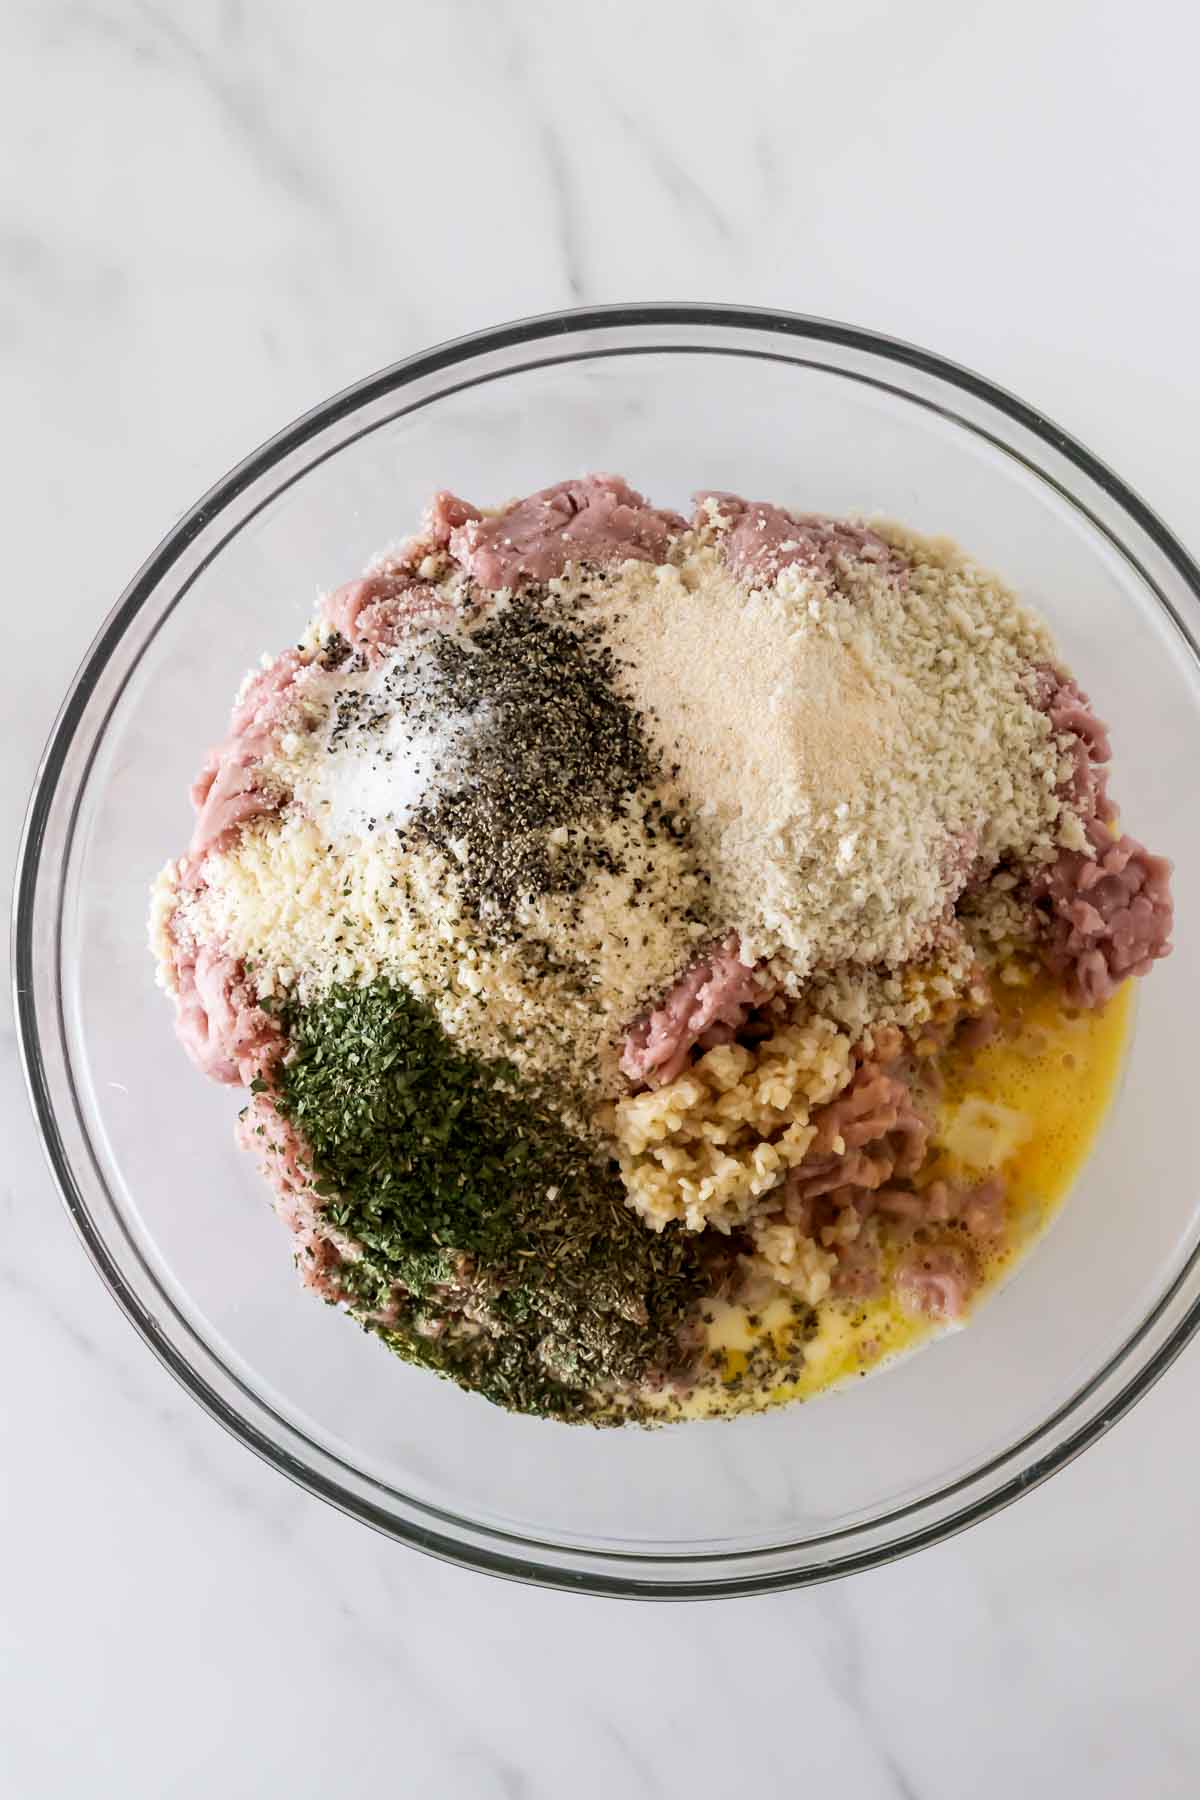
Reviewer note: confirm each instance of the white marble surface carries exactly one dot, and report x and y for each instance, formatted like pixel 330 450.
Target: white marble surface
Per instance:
pixel 215 215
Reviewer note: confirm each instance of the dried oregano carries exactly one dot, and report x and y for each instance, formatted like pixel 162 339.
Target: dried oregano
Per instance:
pixel 496 1246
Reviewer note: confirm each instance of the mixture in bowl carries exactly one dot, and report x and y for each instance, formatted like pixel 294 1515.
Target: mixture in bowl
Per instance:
pixel 674 965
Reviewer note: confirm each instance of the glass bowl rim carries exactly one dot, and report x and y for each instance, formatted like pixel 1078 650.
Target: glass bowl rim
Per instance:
pixel 601 1570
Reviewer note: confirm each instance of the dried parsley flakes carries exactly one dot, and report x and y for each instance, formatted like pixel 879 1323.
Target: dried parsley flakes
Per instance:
pixel 496 1247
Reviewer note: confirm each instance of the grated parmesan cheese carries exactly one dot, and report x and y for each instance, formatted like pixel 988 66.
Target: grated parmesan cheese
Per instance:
pixel 555 998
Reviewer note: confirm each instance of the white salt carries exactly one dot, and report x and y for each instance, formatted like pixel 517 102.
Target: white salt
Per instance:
pixel 376 759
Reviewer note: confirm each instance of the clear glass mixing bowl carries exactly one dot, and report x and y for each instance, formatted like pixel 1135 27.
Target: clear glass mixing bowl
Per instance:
pixel 675 397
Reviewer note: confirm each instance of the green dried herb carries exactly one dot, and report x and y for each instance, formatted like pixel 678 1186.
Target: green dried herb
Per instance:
pixel 496 1247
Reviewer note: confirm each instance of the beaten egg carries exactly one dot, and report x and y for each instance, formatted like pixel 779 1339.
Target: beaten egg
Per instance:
pixel 1027 1107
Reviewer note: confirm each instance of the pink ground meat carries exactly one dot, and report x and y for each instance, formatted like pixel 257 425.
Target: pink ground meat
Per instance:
pixel 763 540
pixel 445 515
pixel 1106 917
pixel 1070 712
pixel 1109 915
pixel 376 614
pixel 709 1004
pixel 228 792
pixel 979 1209
pixel 219 1021
pixel 598 519
pixel 871 1140
pixel 282 1156
pixel 937 1283
pixel 870 1134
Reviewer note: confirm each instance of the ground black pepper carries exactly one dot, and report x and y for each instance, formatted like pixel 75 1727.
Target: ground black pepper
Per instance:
pixel 541 753
pixel 552 749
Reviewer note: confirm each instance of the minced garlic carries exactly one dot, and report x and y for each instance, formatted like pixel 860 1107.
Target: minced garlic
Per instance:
pixel 703 1149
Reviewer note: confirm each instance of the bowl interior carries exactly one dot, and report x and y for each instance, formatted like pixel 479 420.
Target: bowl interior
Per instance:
pixel 797 422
